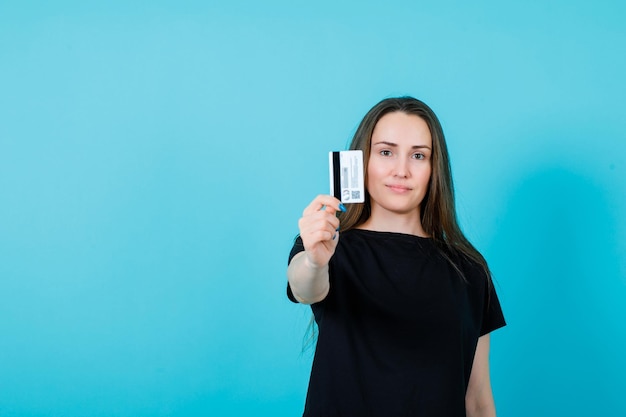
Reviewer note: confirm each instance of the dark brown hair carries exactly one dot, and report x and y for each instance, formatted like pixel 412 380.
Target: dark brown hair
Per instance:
pixel 438 212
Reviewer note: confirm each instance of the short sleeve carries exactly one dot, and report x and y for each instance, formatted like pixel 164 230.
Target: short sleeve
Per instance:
pixel 493 318
pixel 298 247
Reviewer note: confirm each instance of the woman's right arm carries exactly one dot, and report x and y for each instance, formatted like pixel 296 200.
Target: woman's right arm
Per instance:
pixel 308 271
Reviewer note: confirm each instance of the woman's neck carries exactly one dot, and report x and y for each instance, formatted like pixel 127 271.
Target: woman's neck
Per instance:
pixel 408 223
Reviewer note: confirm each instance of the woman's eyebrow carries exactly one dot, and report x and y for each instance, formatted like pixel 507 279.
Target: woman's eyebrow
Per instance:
pixel 384 142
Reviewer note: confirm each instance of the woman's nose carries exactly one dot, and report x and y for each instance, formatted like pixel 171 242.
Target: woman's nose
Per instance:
pixel 401 168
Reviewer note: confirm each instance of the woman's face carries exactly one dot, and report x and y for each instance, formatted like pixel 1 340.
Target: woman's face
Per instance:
pixel 399 168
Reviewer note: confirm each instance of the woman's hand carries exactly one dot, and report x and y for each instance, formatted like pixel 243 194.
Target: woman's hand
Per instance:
pixel 319 230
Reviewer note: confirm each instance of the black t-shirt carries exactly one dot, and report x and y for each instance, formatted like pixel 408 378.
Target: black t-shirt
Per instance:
pixel 398 329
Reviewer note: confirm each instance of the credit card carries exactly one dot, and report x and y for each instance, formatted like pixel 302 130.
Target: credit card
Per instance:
pixel 346 176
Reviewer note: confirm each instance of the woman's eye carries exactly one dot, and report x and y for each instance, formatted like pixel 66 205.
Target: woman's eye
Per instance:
pixel 385 153
pixel 419 156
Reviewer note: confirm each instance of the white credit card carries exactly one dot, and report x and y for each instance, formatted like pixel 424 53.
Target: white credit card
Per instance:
pixel 346 176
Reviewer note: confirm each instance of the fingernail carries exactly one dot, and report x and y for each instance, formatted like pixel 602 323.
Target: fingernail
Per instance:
pixel 342 207
pixel 337 229
pixel 334 236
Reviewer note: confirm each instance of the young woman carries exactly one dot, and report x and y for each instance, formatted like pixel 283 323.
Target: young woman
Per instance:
pixel 403 302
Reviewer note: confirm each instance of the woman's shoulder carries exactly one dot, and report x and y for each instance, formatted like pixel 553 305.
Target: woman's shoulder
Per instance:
pixel 474 270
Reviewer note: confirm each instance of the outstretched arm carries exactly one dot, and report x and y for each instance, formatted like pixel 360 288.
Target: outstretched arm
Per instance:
pixel 308 271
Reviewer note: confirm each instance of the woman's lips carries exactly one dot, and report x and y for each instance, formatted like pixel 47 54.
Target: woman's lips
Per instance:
pixel 398 188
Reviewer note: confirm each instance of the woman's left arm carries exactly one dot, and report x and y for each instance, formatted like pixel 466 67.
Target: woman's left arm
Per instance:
pixel 479 398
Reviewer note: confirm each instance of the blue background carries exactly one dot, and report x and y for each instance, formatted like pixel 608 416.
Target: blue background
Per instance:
pixel 155 158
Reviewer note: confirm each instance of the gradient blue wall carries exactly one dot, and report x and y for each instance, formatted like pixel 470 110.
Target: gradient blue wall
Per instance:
pixel 155 158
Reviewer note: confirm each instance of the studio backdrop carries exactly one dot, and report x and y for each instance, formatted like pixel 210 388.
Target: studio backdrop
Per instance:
pixel 155 158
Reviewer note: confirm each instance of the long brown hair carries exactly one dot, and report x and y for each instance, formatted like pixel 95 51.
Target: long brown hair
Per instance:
pixel 438 213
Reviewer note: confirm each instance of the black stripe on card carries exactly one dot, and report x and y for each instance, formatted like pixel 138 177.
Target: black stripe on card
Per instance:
pixel 336 176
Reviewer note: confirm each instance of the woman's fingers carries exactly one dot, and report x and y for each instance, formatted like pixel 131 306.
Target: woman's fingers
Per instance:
pixel 324 202
pixel 319 228
pixel 320 244
pixel 318 221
